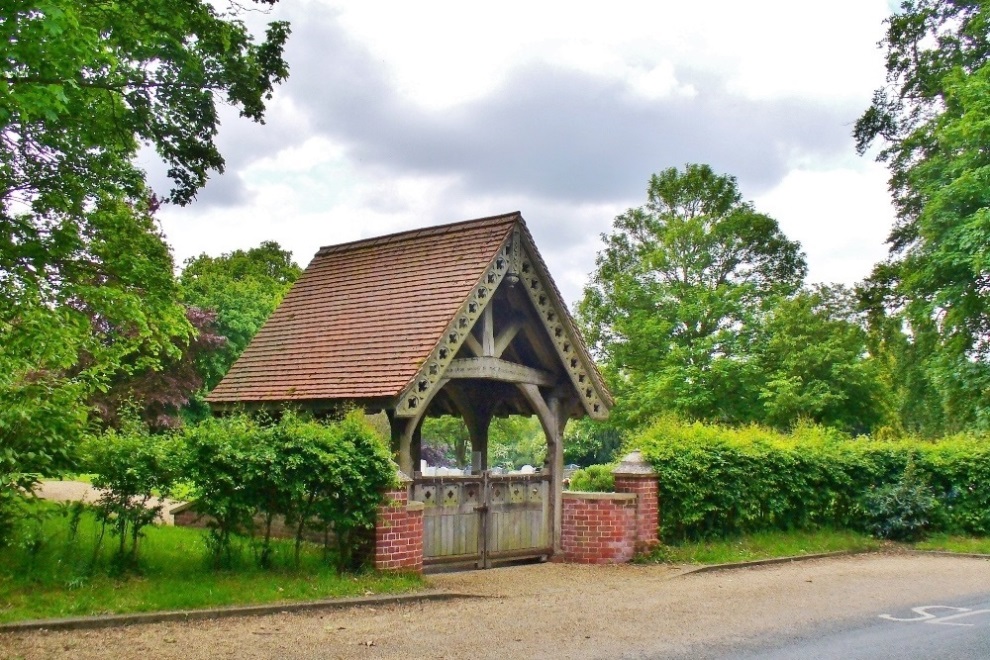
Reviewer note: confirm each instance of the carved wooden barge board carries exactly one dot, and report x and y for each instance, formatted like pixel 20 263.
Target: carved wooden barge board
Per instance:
pixel 513 257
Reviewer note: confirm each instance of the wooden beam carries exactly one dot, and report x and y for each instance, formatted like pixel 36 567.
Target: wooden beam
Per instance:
pixel 488 332
pixel 539 406
pixel 505 338
pixel 477 416
pixel 492 368
pixel 472 344
pixel 553 419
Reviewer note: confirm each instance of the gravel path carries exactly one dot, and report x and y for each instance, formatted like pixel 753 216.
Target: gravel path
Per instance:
pixel 555 610
pixel 73 491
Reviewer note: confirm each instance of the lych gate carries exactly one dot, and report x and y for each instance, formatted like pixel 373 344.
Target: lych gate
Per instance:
pixel 460 319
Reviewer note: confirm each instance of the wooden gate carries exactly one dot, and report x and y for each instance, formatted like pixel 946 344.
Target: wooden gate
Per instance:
pixel 484 518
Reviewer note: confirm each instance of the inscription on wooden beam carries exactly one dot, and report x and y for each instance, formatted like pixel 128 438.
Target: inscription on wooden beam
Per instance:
pixel 490 368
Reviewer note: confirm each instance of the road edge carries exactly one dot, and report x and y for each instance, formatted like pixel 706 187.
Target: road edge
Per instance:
pixel 139 618
pixel 708 568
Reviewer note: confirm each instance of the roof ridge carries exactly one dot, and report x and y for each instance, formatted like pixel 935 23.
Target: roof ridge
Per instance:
pixel 411 234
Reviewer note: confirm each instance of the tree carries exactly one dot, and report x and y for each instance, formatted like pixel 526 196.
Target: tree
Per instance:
pixel 677 293
pixel 86 279
pixel 242 288
pixel 589 442
pixel 159 393
pixel 932 121
pixel 813 353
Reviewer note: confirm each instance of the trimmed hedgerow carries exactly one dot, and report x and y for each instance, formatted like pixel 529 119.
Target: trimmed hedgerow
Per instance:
pixel 717 481
pixel 247 471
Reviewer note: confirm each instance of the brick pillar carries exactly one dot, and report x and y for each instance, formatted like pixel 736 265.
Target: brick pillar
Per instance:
pixel 598 528
pixel 399 531
pixel 634 475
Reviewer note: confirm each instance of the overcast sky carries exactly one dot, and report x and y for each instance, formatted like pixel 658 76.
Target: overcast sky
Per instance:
pixel 399 115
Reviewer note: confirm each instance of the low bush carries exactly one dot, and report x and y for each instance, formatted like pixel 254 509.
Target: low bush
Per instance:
pixel 902 511
pixel 594 479
pixel 329 475
pixel 133 469
pixel 718 482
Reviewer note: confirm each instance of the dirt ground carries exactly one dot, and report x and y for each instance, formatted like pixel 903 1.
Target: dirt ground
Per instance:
pixel 554 610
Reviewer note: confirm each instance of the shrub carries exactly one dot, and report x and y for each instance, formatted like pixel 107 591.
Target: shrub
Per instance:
pixel 902 511
pixel 330 475
pixel 717 481
pixel 216 455
pixel 133 469
pixel 594 479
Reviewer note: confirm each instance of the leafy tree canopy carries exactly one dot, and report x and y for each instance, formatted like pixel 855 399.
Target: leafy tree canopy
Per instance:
pixel 932 122
pixel 242 288
pixel 86 279
pixel 812 352
pixel 677 291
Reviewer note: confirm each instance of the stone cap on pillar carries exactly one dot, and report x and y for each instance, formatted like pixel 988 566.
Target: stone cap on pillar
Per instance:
pixel 633 465
pixel 402 477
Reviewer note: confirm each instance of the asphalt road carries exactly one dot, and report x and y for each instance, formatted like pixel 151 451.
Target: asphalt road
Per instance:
pixel 864 606
pixel 953 629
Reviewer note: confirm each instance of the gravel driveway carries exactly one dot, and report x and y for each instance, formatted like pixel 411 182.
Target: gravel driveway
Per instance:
pixel 555 610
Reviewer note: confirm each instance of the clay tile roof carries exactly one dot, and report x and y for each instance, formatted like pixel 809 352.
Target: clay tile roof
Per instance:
pixel 363 316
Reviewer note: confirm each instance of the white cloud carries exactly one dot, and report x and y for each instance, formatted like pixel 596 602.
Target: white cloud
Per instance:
pixel 840 216
pixel 399 115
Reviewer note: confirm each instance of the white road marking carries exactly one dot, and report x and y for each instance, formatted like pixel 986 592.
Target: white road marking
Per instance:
pixel 924 614
pixel 950 618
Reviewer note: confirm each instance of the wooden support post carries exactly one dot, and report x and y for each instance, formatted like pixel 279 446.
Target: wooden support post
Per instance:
pixel 553 418
pixel 405 445
pixel 488 332
pixel 477 416
pixel 416 448
pixel 555 453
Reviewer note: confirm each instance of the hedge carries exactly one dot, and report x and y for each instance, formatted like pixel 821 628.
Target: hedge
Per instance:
pixel 717 481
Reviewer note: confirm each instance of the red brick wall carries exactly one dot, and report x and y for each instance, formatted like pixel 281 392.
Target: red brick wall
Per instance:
pixel 646 489
pixel 399 533
pixel 598 528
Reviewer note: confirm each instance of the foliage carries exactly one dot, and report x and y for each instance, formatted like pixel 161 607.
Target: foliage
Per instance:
pixel 337 477
pixel 512 442
pixel 108 317
pixel 516 441
pixel 216 457
pixel 241 289
pixel 720 482
pixel 86 84
pixel 589 442
pixel 931 121
pixel 244 469
pixel 901 511
pixel 71 576
pixel 133 469
pixel 812 351
pixel 594 479
pixel 762 545
pixel 159 392
pixel 85 276
pixel 450 432
pixel 676 292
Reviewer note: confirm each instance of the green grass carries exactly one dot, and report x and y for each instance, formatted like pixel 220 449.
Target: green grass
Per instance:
pixel 965 544
pixel 67 577
pixel 765 545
